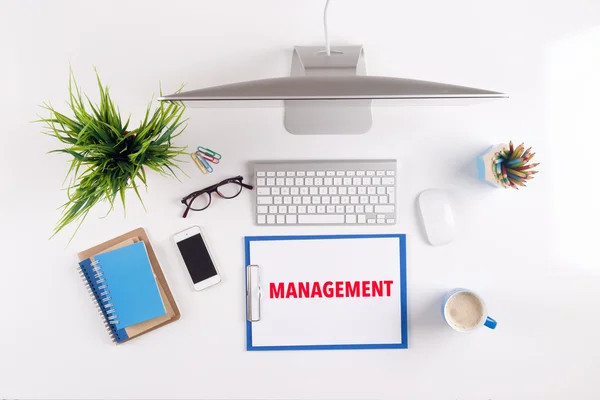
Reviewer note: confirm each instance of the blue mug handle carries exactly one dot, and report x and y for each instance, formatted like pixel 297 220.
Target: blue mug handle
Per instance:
pixel 490 323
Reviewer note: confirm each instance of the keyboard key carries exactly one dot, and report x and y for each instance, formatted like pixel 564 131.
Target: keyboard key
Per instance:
pixel 333 190
pixel 351 190
pixel 383 199
pixel 320 173
pixel 316 200
pixel 262 219
pixel 371 190
pixel 260 173
pixel 373 199
pixel 311 209
pixel 299 182
pixel 270 181
pixel 376 181
pixel 280 173
pixel 277 200
pixel 387 181
pixel 289 181
pixel 301 209
pixel 275 191
pixel 337 181
pixel 349 209
pixel 330 209
pixel 380 190
pixel 290 219
pixel 380 221
pixel 350 173
pixel 366 181
pixel 309 181
pixel 356 181
pixel 330 173
pixel 282 209
pixel 326 200
pixel 263 191
pixel 261 209
pixel 306 200
pixel 369 208
pixel 370 173
pixel 292 209
pixel 264 200
pixel 391 198
pixel 360 173
pixel 390 190
pixel 291 173
pixel 301 173
pixel 362 190
pixel 354 199
pixel 384 209
pixel 339 173
pixel 362 219
pixel 380 216
pixel 343 190
pixel 364 199
pixel 285 191
pixel 328 181
pixel 323 190
pixel 270 173
pixel 390 221
pixel 360 209
pixel 310 173
pixel 390 173
pixel 297 200
pixel 260 182
pixel 294 191
pixel 303 191
pixel 345 200
pixel 339 209
pixel 273 209
pixel 351 219
pixel 321 219
pixel 270 219
pixel 380 173
pixel 347 181
pixel 335 199
pixel 314 190
pixel 287 200
pixel 280 219
pixel 280 181
pixel 318 181
pixel 370 221
pixel 321 209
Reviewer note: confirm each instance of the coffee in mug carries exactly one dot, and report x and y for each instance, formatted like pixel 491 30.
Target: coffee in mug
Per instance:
pixel 465 311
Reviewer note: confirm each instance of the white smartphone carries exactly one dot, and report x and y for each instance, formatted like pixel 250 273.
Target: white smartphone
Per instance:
pixel 197 258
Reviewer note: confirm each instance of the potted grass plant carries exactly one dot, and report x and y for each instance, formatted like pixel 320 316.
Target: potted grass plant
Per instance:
pixel 109 157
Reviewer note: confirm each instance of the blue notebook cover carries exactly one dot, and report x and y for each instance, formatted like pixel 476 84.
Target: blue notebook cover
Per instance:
pixel 126 286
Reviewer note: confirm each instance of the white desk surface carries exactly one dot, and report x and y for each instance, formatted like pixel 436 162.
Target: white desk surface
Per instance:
pixel 531 254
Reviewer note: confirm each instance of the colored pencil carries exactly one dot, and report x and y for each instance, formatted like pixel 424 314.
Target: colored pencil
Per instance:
pixel 510 166
pixel 504 175
pixel 510 145
pixel 526 167
pixel 517 173
pixel 514 182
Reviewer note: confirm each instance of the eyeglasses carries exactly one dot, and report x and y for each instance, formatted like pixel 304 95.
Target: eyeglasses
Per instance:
pixel 227 189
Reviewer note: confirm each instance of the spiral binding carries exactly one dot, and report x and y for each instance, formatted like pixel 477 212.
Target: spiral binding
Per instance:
pixel 102 300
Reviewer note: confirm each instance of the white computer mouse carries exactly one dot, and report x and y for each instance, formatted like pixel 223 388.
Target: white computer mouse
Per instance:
pixel 437 216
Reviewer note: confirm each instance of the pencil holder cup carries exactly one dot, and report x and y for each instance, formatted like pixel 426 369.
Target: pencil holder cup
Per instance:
pixel 485 165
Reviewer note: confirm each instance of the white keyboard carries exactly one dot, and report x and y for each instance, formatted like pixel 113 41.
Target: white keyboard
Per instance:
pixel 325 192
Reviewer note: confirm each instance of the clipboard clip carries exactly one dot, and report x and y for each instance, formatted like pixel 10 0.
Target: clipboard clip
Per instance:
pixel 253 293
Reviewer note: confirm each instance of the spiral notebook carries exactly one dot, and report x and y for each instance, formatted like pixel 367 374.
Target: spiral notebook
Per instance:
pixel 124 288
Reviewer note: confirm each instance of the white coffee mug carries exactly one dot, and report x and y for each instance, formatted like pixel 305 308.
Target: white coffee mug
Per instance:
pixel 473 322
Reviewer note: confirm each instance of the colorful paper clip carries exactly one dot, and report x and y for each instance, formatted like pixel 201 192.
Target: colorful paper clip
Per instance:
pixel 199 163
pixel 209 152
pixel 208 157
pixel 206 164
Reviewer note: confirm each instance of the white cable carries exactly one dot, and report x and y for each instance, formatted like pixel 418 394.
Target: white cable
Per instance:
pixel 327 46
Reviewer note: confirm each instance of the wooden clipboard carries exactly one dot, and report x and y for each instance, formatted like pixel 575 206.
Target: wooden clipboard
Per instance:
pixel 173 313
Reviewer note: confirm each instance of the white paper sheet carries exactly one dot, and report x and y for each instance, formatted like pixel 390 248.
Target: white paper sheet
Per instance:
pixel 328 321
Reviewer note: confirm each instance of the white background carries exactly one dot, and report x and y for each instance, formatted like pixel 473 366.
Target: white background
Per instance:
pixel 532 254
pixel 328 321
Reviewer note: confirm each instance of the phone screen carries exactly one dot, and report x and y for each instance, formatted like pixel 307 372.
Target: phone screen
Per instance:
pixel 196 258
